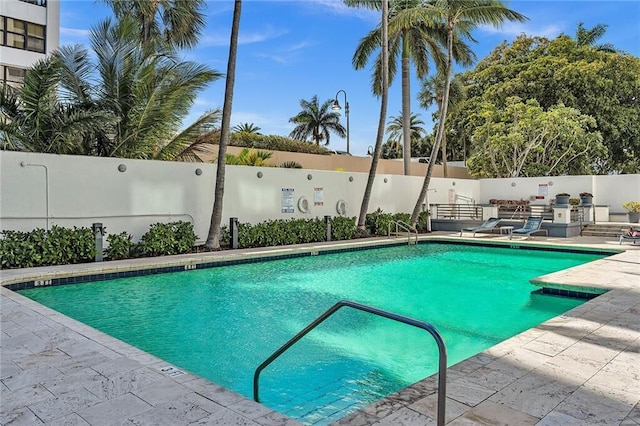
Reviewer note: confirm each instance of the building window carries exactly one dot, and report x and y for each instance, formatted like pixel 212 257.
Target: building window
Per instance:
pixel 22 35
pixel 13 76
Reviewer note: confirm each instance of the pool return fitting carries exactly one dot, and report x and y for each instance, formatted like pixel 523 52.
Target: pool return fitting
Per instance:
pixel 442 350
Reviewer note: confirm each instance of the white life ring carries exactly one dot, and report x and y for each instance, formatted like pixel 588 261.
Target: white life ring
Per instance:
pixel 303 204
pixel 341 207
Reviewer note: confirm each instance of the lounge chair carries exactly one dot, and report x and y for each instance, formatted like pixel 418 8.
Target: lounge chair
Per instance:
pixel 531 226
pixel 488 226
pixel 627 237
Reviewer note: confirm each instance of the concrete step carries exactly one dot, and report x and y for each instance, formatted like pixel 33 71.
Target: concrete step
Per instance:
pixel 604 230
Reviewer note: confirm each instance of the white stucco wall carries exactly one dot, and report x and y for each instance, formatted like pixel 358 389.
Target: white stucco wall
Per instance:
pixel 78 191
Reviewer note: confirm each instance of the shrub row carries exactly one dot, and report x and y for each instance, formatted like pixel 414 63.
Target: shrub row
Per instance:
pixel 58 246
pixel 275 143
pixel 162 239
pixel 293 231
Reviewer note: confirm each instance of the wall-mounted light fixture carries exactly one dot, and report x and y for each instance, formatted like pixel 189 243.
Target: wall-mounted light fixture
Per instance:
pixel 309 177
pixel 350 178
pixel 259 174
pixel 122 168
pixel 386 180
pixel 513 184
pixel 198 172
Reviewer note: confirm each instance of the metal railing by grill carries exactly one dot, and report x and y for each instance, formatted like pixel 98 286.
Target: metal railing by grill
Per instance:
pixel 457 211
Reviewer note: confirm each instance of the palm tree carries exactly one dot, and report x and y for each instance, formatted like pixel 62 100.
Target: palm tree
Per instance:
pixel 34 118
pixel 585 37
pixel 412 37
pixel 395 129
pixel 213 238
pixel 316 121
pixel 171 23
pixel 432 92
pixel 384 94
pixel 249 157
pixel 460 18
pixel 148 93
pixel 246 128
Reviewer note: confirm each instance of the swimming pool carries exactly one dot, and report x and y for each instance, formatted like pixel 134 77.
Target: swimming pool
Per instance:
pixel 220 323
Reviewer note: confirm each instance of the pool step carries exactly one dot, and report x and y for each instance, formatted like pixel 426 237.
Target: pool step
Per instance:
pixel 604 230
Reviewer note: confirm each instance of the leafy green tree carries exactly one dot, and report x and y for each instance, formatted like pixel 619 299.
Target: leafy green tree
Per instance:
pixel 459 17
pixel 246 128
pixel 600 84
pixel 524 140
pixel 316 122
pixel 167 23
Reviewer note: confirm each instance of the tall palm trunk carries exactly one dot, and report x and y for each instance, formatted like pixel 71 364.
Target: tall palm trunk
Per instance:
pixel 383 116
pixel 440 132
pixel 213 239
pixel 406 108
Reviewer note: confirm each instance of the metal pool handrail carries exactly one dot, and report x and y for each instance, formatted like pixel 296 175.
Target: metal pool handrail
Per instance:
pixel 442 350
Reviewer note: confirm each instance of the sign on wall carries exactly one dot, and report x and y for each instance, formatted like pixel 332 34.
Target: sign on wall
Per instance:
pixel 318 196
pixel 286 200
pixel 543 189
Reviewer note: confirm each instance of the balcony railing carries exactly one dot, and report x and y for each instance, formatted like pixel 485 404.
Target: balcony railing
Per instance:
pixel 42 3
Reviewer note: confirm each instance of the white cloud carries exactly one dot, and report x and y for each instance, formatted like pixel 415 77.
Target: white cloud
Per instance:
pixel 73 35
pixel 514 29
pixel 222 39
pixel 337 7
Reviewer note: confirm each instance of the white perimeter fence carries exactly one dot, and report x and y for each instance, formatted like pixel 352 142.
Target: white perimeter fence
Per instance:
pixel 41 190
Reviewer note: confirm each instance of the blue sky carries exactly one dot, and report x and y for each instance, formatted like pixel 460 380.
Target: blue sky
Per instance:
pixel 292 50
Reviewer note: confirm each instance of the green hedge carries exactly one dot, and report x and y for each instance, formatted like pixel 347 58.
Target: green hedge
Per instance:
pixel 275 143
pixel 165 239
pixel 377 223
pixel 58 246
pixel 282 232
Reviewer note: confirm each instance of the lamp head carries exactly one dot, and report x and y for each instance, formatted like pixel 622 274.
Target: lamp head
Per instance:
pixel 336 106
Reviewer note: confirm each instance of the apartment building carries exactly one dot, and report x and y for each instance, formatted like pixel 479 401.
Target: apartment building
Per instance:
pixel 29 30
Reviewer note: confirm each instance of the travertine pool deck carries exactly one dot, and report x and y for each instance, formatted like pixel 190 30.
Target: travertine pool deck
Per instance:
pixel 580 368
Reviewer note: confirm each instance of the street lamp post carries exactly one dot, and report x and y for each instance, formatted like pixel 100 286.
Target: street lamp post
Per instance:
pixel 336 107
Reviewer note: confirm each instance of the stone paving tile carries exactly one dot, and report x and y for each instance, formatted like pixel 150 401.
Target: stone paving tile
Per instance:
pixel 518 362
pixel 225 418
pixel 81 361
pixel 183 410
pixel 591 350
pixel 616 380
pixel 49 357
pixel 72 419
pixel 490 378
pixel 597 404
pixel 467 392
pixel 161 391
pixel 534 394
pixel 114 411
pixel 120 383
pixel 429 407
pixel 69 382
pixel 406 417
pixel 490 413
pixel 31 377
pixel 20 416
pixel 582 368
pixel 13 401
pixel 214 392
pixel 63 405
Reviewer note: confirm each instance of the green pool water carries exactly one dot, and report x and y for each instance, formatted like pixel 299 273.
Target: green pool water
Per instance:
pixel 221 323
